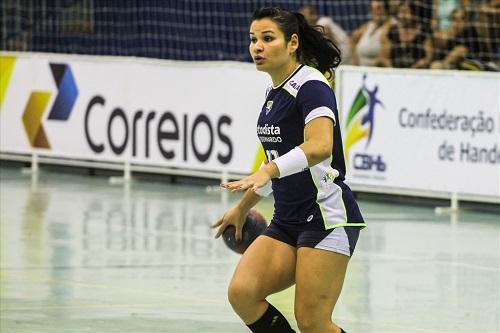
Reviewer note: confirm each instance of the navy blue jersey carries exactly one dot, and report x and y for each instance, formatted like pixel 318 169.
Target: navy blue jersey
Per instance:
pixel 315 193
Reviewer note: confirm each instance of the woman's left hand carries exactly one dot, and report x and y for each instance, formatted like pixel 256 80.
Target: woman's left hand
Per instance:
pixel 260 178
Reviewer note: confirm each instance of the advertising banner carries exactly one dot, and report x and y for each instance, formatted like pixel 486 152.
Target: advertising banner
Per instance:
pixel 190 115
pixel 420 130
pixel 403 130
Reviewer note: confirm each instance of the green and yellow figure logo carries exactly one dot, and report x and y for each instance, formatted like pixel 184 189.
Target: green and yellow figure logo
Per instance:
pixel 360 121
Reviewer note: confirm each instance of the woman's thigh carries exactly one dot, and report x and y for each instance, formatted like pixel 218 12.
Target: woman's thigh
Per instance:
pixel 266 267
pixel 319 278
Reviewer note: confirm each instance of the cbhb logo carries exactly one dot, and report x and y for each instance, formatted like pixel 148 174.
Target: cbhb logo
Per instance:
pixel 61 109
pixel 360 124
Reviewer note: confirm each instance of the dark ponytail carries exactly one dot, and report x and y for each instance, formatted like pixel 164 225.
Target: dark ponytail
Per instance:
pixel 315 49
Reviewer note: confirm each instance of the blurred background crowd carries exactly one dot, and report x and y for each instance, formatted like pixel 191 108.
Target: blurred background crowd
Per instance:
pixel 435 34
pixel 440 34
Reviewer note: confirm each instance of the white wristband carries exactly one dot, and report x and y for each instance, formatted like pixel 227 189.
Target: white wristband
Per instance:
pixel 267 189
pixel 294 161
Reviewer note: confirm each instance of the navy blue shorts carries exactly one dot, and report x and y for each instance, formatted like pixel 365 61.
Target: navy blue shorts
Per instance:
pixel 340 240
pixel 331 223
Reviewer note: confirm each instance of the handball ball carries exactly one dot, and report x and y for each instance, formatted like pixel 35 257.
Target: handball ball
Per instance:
pixel 255 224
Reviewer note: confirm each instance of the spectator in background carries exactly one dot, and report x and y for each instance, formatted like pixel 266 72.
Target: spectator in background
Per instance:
pixel 461 45
pixel 488 26
pixel 393 8
pixel 423 11
pixel 442 13
pixel 366 40
pixel 406 44
pixel 444 29
pixel 332 31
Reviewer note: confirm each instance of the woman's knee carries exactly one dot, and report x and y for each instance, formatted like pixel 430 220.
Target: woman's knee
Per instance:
pixel 309 322
pixel 241 294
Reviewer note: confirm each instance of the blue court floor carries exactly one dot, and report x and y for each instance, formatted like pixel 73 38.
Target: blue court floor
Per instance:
pixel 81 255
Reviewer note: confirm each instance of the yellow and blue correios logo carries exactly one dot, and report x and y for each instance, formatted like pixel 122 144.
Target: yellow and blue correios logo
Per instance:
pixel 360 124
pixel 61 109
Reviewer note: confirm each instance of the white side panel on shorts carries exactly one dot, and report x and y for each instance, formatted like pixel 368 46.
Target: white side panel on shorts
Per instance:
pixel 337 241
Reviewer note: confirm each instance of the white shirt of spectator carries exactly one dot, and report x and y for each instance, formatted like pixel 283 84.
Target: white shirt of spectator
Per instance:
pixel 370 44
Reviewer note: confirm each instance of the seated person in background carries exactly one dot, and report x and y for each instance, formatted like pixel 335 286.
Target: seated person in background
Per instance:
pixel 406 44
pixel 366 40
pixel 332 30
pixel 462 41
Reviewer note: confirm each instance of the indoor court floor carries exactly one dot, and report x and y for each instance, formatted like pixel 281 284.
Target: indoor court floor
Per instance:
pixel 81 255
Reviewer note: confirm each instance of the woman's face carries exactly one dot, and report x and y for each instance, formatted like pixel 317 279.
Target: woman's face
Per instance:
pixel 377 10
pixel 404 14
pixel 268 47
pixel 458 18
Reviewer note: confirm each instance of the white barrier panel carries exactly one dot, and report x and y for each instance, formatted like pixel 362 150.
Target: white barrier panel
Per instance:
pixel 421 130
pixel 189 115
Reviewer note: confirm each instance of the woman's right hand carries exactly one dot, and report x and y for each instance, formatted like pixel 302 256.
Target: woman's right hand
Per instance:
pixel 234 216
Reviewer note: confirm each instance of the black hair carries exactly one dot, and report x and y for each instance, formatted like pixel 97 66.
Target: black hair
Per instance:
pixel 315 49
pixel 415 8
